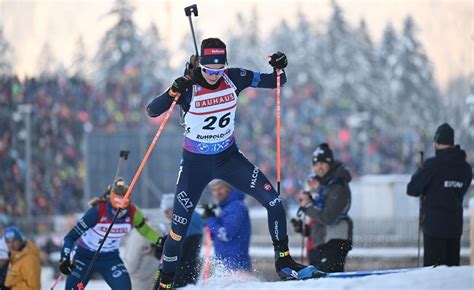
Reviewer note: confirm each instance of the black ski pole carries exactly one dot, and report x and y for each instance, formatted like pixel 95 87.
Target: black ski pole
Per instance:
pixel 419 215
pixel 80 285
pixel 189 11
pixel 123 155
pixel 303 228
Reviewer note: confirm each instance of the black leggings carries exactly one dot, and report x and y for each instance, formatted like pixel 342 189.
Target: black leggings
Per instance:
pixel 196 171
pixel 441 251
pixel 331 256
pixel 188 269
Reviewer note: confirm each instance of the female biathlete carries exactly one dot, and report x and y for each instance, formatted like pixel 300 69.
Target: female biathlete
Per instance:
pixel 209 100
pixel 81 243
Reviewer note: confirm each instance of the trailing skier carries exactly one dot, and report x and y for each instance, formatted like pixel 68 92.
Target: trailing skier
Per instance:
pixel 83 240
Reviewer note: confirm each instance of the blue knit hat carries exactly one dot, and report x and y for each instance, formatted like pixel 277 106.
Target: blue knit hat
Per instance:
pixel 213 51
pixel 13 233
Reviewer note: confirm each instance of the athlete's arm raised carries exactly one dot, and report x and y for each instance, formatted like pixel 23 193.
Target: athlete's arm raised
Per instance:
pixel 243 78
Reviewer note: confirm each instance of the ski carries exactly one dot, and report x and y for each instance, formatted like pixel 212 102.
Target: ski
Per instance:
pixel 355 274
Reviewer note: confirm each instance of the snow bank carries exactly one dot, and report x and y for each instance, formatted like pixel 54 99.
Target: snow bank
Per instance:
pixel 442 278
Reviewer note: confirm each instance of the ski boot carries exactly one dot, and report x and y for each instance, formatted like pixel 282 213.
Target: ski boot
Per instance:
pixel 287 268
pixel 163 281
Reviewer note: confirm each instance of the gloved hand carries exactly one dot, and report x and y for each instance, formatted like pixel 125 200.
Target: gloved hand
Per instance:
pixel 65 264
pixel 158 246
pixel 278 60
pixel 305 199
pixel 65 267
pixel 180 85
pixel 297 225
pixel 209 211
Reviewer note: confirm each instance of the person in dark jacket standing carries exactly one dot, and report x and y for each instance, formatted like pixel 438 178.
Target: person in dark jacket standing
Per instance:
pixel 231 229
pixel 330 228
pixel 442 183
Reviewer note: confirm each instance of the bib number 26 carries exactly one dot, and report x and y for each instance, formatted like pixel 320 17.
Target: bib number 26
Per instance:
pixel 223 121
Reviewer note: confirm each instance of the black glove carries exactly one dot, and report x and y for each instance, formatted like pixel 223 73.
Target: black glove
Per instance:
pixel 158 246
pixel 181 85
pixel 297 225
pixel 209 211
pixel 65 266
pixel 278 60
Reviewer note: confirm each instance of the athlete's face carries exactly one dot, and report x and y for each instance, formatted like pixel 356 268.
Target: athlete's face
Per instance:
pixel 220 192
pixel 212 78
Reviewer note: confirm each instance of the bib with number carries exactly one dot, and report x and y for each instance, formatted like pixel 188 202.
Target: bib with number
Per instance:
pixel 92 238
pixel 209 121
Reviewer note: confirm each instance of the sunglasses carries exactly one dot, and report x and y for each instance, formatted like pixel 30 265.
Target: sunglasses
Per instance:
pixel 211 71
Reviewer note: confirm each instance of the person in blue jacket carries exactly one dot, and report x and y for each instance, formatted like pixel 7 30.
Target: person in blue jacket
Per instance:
pixel 231 229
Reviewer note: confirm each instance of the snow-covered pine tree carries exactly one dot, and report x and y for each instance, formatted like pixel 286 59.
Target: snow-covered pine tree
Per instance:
pixel 155 65
pixel 459 101
pixel 6 56
pixel 80 66
pixel 414 87
pixel 244 44
pixel 47 62
pixel 121 48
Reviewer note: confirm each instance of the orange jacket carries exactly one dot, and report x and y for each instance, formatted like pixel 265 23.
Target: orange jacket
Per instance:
pixel 24 271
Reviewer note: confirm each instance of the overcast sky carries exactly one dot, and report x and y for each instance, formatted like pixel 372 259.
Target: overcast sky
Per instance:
pixel 446 27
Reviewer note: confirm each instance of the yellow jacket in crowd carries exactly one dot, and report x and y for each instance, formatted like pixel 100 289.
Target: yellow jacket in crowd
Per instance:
pixel 24 271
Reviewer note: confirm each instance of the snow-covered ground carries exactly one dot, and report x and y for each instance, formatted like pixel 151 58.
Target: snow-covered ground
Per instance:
pixel 442 278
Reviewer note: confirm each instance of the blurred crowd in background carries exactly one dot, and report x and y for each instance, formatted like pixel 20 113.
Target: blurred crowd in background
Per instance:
pixel 376 104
